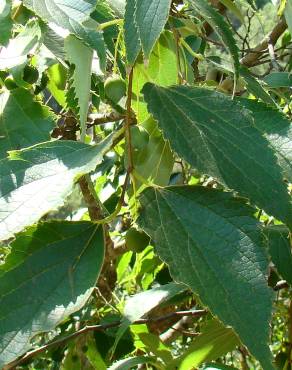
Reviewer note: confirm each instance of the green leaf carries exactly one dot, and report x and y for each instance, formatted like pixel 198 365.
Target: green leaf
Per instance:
pixel 218 366
pixel 213 244
pixel 288 15
pixel 155 161
pixel 278 131
pixel 233 8
pixel 57 74
pixel 132 41
pixel 81 56
pixel 18 48
pixel 217 22
pixel 278 79
pixel 214 342
pixel 140 304
pixel 37 180
pixel 278 240
pixel 153 344
pixel 151 17
pixel 161 69
pixel 94 356
pixel 50 273
pixel 23 121
pixel 74 16
pixel 255 87
pixel 131 362
pixel 53 42
pixel 5 21
pixel 217 136
pixel 144 22
pixel 118 7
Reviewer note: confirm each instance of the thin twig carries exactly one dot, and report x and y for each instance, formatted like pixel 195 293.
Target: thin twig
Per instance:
pixel 128 122
pixel 282 284
pixel 250 59
pixel 274 62
pixel 106 118
pixel 101 327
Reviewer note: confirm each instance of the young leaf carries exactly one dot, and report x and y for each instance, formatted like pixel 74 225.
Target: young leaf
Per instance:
pixel 37 180
pixel 23 121
pixel 214 342
pixel 50 274
pixel 81 56
pixel 219 25
pixel 278 241
pixel 5 21
pixel 162 69
pixel 212 243
pixel 217 136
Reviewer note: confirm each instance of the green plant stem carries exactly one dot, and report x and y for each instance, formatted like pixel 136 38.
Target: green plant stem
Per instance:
pixel 105 25
pixel 190 50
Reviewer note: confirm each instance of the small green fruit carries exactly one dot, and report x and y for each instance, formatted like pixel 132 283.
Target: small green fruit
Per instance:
pixel 136 240
pixel 10 83
pixel 30 74
pixel 115 88
pixel 139 137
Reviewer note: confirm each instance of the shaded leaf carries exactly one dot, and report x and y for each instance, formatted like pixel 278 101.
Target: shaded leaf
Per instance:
pixel 233 8
pixel 279 245
pixel 278 79
pixel 217 136
pixel 212 243
pixel 23 121
pixel 255 87
pixel 217 22
pixel 36 180
pixel 278 131
pixel 45 280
